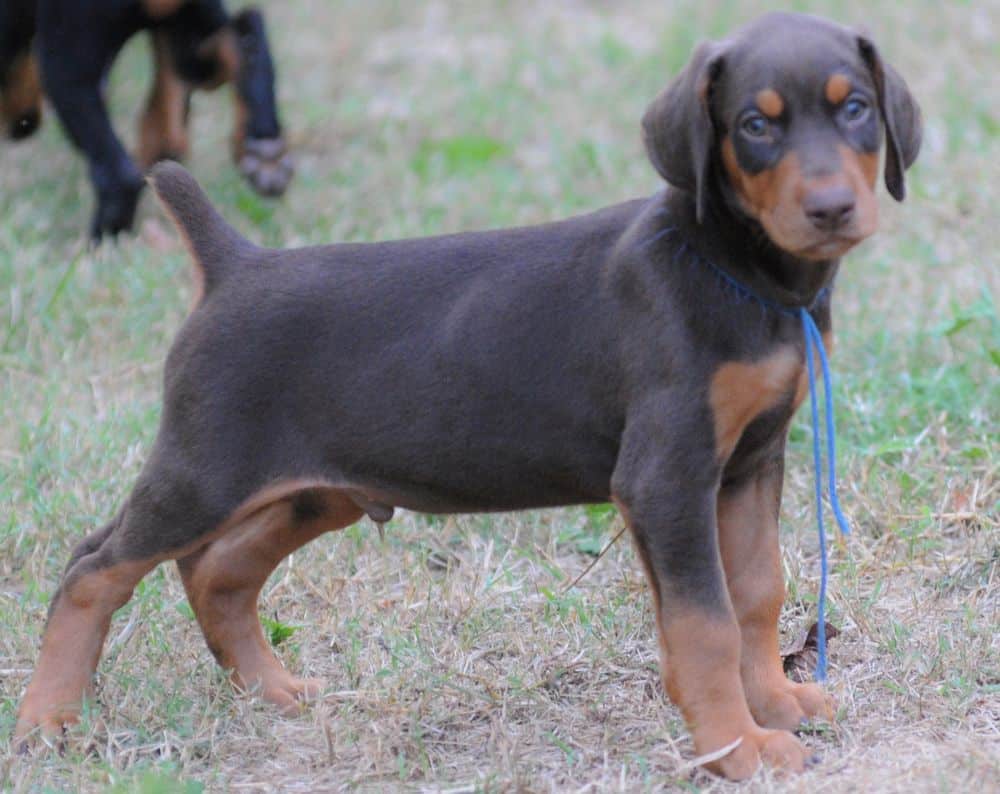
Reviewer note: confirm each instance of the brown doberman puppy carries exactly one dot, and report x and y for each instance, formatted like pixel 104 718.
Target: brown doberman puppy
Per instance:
pixel 605 357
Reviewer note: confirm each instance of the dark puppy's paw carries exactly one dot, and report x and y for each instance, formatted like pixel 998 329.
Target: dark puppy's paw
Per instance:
pixel 115 210
pixel 267 165
pixel 25 124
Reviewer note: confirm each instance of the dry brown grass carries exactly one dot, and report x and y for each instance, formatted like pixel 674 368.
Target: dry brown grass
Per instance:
pixel 454 659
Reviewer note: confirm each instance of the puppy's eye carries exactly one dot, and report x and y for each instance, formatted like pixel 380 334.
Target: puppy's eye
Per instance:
pixel 755 126
pixel 855 109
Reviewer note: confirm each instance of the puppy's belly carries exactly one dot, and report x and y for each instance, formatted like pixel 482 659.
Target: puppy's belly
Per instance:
pixel 494 482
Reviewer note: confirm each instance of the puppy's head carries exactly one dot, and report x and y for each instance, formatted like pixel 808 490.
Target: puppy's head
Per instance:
pixel 20 96
pixel 786 120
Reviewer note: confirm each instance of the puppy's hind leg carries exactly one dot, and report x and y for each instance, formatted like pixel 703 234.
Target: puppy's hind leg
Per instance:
pixel 223 581
pixel 158 521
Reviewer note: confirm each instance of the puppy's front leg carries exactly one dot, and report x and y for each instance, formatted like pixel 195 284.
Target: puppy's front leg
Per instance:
pixel 748 538
pixel 667 490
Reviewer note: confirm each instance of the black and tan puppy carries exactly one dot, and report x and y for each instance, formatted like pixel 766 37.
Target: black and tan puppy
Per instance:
pixel 601 358
pixel 68 47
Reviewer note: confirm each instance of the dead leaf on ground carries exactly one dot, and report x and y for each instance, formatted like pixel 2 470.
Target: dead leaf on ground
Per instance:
pixel 799 660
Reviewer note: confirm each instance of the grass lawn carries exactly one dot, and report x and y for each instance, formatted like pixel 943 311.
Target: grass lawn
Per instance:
pixel 454 654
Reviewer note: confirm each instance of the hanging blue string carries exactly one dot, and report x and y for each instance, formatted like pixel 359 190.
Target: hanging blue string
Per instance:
pixel 813 340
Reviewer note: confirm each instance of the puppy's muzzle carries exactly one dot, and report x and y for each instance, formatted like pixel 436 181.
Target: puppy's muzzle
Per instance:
pixel 830 209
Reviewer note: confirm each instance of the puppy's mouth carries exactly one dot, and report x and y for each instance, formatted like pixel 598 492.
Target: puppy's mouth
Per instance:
pixel 820 223
pixel 832 247
pixel 811 244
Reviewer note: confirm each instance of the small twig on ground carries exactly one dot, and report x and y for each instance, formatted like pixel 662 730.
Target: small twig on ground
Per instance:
pixel 708 758
pixel 596 560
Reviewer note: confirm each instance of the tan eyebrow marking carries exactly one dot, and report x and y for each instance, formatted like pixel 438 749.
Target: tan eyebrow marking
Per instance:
pixel 770 103
pixel 837 88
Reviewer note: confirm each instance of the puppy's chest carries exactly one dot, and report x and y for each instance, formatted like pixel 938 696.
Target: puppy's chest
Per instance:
pixel 759 395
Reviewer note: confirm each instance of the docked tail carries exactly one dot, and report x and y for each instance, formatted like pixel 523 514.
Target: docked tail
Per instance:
pixel 215 246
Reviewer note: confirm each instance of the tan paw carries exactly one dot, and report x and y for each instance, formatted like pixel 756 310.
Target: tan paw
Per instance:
pixel 290 694
pixel 788 705
pixel 777 749
pixel 43 724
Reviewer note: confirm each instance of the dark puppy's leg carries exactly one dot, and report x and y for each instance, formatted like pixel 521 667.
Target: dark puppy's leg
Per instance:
pixel 21 97
pixel 208 49
pixel 223 581
pixel 748 538
pixel 116 179
pixel 74 55
pixel 259 147
pixel 163 131
pixel 667 491
pixel 192 46
pixel 20 85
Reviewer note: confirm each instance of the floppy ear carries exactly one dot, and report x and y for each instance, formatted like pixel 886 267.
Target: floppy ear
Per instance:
pixel 677 127
pixel 901 114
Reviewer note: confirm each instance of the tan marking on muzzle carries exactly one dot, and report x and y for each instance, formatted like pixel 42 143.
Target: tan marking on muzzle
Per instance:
pixel 774 198
pixel 760 193
pixel 861 172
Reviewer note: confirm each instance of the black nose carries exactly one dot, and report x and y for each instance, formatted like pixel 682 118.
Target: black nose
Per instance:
pixel 829 208
pixel 25 124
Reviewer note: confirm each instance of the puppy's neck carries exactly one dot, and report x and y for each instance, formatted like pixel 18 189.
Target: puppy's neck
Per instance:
pixel 736 243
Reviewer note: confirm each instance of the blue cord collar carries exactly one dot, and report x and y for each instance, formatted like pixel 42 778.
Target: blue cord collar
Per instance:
pixel 813 341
